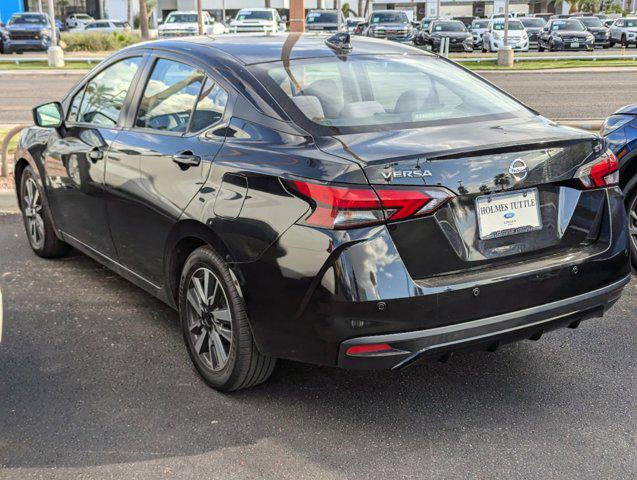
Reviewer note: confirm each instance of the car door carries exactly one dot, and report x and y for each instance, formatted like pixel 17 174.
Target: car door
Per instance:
pixel 615 30
pixel 158 164
pixel 75 158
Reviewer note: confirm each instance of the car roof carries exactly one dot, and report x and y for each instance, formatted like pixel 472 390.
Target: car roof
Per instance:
pixel 262 48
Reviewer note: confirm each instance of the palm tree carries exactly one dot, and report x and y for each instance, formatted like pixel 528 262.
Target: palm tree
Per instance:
pixel 268 4
pixel 143 20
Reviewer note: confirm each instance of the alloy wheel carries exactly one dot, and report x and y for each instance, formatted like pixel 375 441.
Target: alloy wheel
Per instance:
pixel 209 319
pixel 632 221
pixel 32 207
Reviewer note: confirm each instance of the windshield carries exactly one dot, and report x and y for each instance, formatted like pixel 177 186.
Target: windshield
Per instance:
pixel 388 91
pixel 389 17
pixel 449 27
pixel 480 24
pixel 532 22
pixel 322 17
pixel 572 25
pixel 513 25
pixel 254 15
pixel 28 19
pixel 182 18
pixel 591 21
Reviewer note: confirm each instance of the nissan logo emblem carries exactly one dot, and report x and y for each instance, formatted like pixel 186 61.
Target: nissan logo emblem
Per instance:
pixel 518 169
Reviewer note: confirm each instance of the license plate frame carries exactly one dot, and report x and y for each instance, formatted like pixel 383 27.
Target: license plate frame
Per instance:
pixel 531 220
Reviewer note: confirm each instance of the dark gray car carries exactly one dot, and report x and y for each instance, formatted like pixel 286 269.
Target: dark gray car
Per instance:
pixel 324 21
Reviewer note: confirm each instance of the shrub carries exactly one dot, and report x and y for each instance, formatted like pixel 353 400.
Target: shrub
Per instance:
pixel 97 42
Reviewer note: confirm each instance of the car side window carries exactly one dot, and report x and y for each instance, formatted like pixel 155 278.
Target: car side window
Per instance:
pixel 75 106
pixel 169 97
pixel 104 95
pixel 210 106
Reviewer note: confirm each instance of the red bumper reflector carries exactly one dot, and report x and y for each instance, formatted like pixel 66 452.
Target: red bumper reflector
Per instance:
pixel 370 348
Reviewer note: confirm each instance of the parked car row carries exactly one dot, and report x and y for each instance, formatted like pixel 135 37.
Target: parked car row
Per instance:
pixel 560 32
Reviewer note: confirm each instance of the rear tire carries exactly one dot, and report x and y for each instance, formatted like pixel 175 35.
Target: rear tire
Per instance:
pixel 215 325
pixel 37 221
pixel 631 209
pixel 624 42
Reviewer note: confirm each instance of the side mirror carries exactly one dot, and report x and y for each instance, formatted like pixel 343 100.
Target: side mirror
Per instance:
pixel 49 115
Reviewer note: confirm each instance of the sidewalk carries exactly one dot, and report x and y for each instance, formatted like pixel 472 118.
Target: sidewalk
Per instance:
pixel 8 202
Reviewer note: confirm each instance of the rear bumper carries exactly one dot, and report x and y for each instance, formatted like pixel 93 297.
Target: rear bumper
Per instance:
pixel 489 333
pixel 338 288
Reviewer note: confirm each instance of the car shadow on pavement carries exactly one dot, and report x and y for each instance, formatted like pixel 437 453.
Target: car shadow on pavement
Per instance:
pixel 94 372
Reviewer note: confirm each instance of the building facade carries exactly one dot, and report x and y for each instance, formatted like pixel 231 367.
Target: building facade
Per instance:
pixel 9 7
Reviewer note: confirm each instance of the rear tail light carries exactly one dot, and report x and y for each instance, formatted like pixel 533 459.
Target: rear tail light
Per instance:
pixel 367 349
pixel 340 207
pixel 601 172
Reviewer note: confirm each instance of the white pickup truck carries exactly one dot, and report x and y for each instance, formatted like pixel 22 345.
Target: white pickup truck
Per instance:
pixel 184 24
pixel 257 20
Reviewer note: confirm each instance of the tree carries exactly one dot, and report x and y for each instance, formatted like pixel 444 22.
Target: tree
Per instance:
pixel 129 11
pixel 268 4
pixel 143 20
pixel 345 8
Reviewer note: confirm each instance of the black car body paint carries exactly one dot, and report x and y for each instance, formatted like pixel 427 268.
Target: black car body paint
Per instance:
pixel 312 293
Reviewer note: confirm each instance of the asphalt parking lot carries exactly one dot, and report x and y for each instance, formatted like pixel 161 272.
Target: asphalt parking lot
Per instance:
pixel 95 383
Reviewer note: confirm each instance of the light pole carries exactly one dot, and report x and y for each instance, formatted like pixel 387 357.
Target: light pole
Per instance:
pixel 505 54
pixel 199 18
pixel 55 55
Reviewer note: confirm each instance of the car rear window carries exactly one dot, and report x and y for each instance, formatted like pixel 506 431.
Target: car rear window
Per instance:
pixel 322 17
pixel 449 27
pixel 363 91
pixel 254 15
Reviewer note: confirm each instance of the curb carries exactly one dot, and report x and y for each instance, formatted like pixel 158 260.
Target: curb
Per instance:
pixel 36 71
pixel 8 202
pixel 589 124
pixel 557 70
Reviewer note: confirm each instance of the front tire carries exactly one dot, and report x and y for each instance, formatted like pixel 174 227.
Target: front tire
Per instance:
pixel 215 325
pixel 37 221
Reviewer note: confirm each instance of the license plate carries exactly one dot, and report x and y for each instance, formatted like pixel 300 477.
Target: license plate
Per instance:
pixel 574 45
pixel 504 214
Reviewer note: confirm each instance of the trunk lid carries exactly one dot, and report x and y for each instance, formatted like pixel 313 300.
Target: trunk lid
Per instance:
pixel 484 165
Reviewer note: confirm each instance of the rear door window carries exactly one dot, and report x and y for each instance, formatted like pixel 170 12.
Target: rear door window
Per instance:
pixel 210 106
pixel 169 97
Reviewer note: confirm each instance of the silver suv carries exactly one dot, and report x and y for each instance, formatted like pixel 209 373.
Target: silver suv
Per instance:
pixel 624 32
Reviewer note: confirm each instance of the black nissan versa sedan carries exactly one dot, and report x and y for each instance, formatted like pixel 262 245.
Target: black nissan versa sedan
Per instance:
pixel 363 204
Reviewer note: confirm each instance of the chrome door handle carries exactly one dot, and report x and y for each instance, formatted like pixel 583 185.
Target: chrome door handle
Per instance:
pixel 186 160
